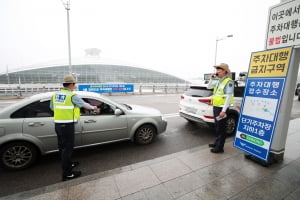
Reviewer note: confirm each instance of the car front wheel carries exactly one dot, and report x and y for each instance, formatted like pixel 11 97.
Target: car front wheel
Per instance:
pixel 145 134
pixel 17 155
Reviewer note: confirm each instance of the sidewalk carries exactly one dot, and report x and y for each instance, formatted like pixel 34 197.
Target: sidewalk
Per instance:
pixel 188 175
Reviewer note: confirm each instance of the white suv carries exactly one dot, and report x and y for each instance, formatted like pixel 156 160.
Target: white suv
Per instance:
pixel 195 106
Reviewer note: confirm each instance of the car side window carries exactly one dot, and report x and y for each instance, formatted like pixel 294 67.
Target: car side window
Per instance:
pixel 105 109
pixel 35 109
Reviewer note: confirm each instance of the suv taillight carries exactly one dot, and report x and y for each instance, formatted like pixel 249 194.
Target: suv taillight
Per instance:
pixel 182 97
pixel 209 117
pixel 207 101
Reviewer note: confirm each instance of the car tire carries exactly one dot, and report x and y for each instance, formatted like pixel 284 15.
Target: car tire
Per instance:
pixel 145 134
pixel 17 155
pixel 230 124
pixel 299 97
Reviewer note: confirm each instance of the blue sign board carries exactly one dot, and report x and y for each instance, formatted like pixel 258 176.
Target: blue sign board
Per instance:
pixel 258 118
pixel 107 88
pixel 261 102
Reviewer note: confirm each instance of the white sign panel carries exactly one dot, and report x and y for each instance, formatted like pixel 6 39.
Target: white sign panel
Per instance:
pixel 284 25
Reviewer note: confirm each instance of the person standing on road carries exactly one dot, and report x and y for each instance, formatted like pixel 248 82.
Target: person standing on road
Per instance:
pixel 221 99
pixel 66 106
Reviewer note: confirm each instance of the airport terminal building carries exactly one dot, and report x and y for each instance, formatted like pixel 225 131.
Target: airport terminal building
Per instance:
pixel 88 69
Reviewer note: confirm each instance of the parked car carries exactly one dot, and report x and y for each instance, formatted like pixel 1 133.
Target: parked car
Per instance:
pixel 27 127
pixel 195 106
pixel 297 90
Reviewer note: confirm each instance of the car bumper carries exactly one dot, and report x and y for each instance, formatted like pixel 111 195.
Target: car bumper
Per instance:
pixel 195 118
pixel 163 126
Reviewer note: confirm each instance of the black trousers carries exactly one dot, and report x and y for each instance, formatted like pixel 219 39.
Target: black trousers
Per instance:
pixel 220 129
pixel 65 137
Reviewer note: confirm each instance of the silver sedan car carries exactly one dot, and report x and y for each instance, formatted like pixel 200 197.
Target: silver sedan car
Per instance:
pixel 27 127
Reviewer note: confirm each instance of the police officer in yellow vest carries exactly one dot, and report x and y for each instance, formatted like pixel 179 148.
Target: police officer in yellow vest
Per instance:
pixel 66 106
pixel 221 99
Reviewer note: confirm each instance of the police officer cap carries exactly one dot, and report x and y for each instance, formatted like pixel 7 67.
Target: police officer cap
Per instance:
pixel 223 66
pixel 69 79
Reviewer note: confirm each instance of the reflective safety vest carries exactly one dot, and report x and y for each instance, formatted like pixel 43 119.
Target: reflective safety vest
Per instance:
pixel 64 109
pixel 219 97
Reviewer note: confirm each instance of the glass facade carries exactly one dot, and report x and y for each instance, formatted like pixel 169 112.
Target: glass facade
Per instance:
pixel 88 73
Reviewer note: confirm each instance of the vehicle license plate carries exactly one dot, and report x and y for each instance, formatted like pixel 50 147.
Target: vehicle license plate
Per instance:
pixel 190 110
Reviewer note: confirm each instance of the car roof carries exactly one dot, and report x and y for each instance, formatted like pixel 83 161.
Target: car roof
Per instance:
pixel 80 93
pixel 47 96
pixel 198 85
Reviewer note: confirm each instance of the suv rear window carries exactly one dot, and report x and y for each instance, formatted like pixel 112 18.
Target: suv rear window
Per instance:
pixel 196 91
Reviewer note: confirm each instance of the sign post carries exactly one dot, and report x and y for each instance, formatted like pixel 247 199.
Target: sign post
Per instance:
pixel 280 134
pixel 284 30
pixel 269 92
pixel 260 107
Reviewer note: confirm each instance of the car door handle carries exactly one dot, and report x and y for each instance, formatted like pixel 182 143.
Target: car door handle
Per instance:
pixel 90 121
pixel 36 124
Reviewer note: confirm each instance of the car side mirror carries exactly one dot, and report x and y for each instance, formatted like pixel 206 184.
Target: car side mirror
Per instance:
pixel 118 112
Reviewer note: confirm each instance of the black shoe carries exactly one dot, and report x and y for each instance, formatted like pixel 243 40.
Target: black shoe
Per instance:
pixel 74 164
pixel 214 150
pixel 212 145
pixel 73 175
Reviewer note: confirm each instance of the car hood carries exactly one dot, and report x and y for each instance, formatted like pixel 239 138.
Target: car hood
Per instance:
pixel 144 110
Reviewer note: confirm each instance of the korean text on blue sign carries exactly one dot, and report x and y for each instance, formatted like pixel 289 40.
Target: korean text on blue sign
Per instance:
pixel 260 106
pixel 107 88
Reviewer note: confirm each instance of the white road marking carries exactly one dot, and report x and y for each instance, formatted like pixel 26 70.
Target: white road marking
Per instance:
pixel 170 115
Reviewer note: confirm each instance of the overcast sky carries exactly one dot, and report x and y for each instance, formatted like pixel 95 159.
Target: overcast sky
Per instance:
pixel 172 36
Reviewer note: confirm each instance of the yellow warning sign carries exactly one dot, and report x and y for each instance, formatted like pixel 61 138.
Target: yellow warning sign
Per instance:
pixel 271 63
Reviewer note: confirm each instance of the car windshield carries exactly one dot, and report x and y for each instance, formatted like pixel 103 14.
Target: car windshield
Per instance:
pixel 196 91
pixel 107 99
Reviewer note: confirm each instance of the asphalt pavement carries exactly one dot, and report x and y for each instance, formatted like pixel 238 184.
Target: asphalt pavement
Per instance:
pixel 180 136
pixel 194 174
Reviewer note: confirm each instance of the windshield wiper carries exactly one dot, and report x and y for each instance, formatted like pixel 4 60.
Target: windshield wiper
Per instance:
pixel 127 106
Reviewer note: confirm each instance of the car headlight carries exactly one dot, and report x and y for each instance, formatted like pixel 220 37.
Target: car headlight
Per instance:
pixel 163 118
